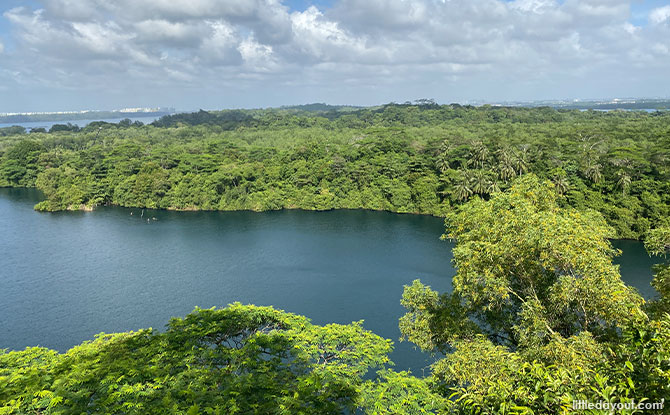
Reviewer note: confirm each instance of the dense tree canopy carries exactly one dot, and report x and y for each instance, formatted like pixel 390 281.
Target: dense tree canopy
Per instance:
pixel 422 158
pixel 538 316
pixel 241 359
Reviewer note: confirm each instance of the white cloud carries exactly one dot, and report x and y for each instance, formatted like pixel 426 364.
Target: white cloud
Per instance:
pixel 221 46
pixel 660 15
pixel 178 34
pixel 452 48
pixel 535 6
pixel 74 10
pixel 630 28
pixel 319 39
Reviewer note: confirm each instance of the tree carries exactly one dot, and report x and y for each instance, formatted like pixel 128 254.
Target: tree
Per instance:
pixel 524 263
pixel 237 360
pixel 535 288
pixel 13 130
pixel 400 393
pixel 560 181
pixel 624 181
pixel 462 188
pixel 593 172
pixel 480 182
pixel 64 127
pixel 478 154
pixel 442 162
pixel 506 169
pixel 521 160
pixel 657 243
pixel 19 166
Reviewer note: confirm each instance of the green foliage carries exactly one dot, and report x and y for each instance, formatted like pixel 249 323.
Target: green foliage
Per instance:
pixel 421 158
pixel 658 243
pixel 25 379
pixel 241 359
pixel 538 316
pixel 13 130
pixel 19 165
pixel 641 362
pixel 526 266
pixel 400 393
pixel 65 189
pixel 63 127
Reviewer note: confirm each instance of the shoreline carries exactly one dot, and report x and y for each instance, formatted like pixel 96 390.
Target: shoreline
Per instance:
pixel 91 208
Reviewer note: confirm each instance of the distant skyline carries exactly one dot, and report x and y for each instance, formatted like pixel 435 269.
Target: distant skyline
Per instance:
pixel 60 55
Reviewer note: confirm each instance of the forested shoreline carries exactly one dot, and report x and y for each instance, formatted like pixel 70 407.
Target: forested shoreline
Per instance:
pixel 408 158
pixel 538 321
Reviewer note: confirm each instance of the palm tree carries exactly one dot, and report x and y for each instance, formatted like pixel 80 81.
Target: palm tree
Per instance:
pixel 479 154
pixel 561 184
pixel 462 189
pixel 624 181
pixel 506 170
pixel 480 182
pixel 620 162
pixel 593 172
pixel 445 147
pixel 442 163
pixel 504 153
pixel 521 160
pixel 493 187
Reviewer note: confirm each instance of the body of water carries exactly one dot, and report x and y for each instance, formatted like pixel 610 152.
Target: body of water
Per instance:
pixel 65 277
pixel 650 110
pixel 81 123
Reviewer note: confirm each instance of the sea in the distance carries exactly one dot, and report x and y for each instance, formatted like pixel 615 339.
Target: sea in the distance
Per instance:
pixel 81 123
pixel 66 276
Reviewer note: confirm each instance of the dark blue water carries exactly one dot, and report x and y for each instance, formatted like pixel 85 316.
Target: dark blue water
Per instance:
pixel 66 276
pixel 635 266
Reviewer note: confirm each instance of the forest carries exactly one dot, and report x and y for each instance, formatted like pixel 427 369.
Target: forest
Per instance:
pixel 538 317
pixel 408 158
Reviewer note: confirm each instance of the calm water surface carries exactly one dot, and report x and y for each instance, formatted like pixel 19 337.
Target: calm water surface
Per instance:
pixel 81 123
pixel 66 276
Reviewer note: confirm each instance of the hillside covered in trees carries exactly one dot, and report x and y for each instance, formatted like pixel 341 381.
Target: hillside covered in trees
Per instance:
pixel 411 158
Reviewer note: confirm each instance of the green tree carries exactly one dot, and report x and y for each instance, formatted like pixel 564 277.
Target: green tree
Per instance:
pixel 19 164
pixel 657 243
pixel 237 360
pixel 535 288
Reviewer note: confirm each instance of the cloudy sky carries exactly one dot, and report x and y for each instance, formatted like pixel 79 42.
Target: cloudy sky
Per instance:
pixel 190 54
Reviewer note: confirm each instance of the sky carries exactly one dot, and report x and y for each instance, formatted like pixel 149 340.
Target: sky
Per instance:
pixel 58 55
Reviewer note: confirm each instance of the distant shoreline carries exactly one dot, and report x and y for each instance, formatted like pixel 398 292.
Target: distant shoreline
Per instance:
pixel 77 116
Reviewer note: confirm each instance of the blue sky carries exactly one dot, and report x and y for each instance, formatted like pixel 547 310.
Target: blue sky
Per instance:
pixel 101 54
pixel 641 9
pixel 302 5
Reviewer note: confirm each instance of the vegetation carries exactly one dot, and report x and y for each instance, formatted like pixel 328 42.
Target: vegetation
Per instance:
pixel 538 317
pixel 237 360
pixel 422 158
pixel 85 115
